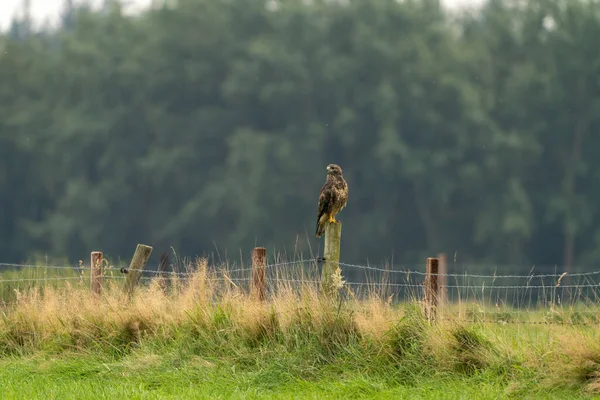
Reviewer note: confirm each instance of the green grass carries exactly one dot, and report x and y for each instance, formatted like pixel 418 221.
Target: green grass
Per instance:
pixel 153 376
pixel 207 338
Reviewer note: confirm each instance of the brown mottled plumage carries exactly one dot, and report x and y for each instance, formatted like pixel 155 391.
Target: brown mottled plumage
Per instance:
pixel 332 198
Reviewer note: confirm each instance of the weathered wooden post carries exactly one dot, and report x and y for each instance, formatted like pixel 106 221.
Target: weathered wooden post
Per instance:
pixel 331 256
pixel 96 273
pixel 431 287
pixel 138 262
pixel 443 278
pixel 259 264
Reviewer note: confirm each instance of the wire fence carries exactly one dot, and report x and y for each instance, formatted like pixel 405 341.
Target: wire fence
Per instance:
pixel 537 298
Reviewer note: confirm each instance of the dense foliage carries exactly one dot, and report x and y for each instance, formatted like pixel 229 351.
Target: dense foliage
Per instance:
pixel 208 124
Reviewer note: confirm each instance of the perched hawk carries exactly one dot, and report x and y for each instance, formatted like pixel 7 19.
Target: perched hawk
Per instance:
pixel 332 198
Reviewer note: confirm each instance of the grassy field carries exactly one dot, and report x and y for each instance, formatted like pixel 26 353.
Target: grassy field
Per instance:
pixel 153 376
pixel 206 338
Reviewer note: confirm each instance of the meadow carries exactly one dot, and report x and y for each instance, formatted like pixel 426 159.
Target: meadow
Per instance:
pixel 205 336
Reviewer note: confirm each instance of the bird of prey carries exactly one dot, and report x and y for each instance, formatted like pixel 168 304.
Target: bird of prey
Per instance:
pixel 332 198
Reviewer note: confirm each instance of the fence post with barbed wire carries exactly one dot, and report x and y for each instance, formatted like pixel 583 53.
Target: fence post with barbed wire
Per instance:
pixel 259 263
pixel 137 264
pixel 443 279
pixel 331 272
pixel 96 273
pixel 431 288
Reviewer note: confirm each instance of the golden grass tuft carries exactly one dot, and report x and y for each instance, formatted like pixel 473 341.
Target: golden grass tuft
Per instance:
pixel 576 359
pixel 211 317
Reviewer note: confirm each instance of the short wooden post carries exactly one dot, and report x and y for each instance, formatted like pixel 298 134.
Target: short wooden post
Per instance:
pixel 259 264
pixel 96 273
pixel 443 278
pixel 331 257
pixel 431 287
pixel 138 262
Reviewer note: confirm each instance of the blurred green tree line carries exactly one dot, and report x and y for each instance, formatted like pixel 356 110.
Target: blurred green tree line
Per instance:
pixel 206 125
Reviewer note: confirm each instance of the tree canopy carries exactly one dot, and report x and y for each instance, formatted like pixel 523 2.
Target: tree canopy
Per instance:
pixel 207 124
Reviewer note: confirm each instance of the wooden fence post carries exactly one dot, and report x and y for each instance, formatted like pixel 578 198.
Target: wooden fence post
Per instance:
pixel 331 259
pixel 259 264
pixel 431 287
pixel 138 262
pixel 96 273
pixel 443 278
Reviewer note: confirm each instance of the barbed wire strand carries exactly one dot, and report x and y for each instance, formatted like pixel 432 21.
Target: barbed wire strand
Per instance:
pixel 503 322
pixel 317 260
pixel 158 272
pixel 420 285
pixel 59 278
pixel 41 266
pixel 416 272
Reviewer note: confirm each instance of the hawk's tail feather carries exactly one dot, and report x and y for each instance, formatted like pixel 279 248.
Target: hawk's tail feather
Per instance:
pixel 320 226
pixel 320 230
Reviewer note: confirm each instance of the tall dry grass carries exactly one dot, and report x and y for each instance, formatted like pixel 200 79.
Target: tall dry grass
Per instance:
pixel 209 315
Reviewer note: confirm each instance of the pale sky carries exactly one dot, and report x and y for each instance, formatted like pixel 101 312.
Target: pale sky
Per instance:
pixel 47 9
pixel 50 9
